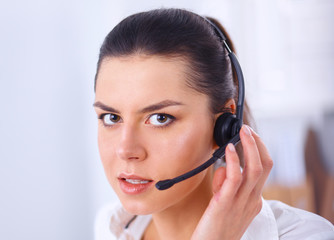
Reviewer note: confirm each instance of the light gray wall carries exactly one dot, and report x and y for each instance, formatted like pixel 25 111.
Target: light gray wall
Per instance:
pixel 51 179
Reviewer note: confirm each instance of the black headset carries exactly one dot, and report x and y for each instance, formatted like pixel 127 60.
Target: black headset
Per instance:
pixel 227 125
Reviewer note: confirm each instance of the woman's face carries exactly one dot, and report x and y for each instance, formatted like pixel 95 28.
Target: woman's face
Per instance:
pixel 152 127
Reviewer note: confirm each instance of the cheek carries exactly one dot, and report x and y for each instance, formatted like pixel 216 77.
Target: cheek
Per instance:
pixel 185 148
pixel 107 152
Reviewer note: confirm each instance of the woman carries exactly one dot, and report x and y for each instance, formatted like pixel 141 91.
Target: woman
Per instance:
pixel 163 79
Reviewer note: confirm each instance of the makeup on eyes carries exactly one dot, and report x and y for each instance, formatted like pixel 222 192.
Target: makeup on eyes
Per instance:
pixel 162 119
pixel 111 115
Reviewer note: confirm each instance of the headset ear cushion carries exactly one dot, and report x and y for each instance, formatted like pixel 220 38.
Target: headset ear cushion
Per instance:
pixel 223 128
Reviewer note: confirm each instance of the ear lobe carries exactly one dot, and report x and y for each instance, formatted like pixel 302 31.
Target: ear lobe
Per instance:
pixel 214 145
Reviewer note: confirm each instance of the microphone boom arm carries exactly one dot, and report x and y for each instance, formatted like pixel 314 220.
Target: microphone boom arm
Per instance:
pixel 219 153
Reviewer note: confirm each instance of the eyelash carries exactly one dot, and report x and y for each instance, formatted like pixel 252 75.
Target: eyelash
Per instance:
pixel 170 117
pixel 101 117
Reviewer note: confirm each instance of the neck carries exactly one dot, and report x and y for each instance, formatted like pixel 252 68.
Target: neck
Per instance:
pixel 180 221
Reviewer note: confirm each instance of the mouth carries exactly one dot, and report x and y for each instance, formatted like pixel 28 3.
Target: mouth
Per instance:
pixel 131 184
pixel 136 181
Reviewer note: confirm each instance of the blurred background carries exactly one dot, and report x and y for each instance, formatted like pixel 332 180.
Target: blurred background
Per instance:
pixel 51 180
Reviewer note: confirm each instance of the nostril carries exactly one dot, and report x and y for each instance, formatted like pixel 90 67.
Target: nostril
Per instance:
pixel 131 151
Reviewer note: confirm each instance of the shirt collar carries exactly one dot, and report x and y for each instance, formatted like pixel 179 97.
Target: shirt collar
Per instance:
pixel 124 225
pixel 263 225
pixel 127 226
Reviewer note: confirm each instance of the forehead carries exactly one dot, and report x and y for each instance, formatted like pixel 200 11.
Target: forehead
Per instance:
pixel 143 80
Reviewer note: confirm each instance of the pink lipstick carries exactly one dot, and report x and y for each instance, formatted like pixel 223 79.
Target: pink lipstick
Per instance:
pixel 131 184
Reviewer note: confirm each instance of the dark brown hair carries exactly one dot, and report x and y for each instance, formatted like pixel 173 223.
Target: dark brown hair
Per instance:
pixel 180 34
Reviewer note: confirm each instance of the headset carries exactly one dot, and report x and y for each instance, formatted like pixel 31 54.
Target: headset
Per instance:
pixel 227 126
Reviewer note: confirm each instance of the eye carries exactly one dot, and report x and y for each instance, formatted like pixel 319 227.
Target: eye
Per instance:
pixel 110 119
pixel 160 119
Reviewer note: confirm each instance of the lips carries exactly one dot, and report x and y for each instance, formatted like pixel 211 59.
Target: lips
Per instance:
pixel 136 181
pixel 132 184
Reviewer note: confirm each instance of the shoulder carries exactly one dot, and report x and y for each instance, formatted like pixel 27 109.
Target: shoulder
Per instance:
pixel 294 223
pixel 113 222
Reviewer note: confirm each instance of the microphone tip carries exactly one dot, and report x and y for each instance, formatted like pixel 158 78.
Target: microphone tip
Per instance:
pixel 165 184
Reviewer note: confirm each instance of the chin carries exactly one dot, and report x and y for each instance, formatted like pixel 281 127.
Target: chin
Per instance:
pixel 137 207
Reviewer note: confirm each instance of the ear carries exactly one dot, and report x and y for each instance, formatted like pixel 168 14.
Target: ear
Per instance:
pixel 229 106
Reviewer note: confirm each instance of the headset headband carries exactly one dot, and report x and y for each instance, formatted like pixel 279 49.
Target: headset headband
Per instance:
pixel 233 124
pixel 237 68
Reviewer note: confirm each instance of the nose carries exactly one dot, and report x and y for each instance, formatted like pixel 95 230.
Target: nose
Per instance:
pixel 130 146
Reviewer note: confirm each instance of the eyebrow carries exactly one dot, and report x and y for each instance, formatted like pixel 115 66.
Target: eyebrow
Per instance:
pixel 105 107
pixel 150 108
pixel 160 105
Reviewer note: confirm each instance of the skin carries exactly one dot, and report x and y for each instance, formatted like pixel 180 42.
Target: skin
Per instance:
pixel 136 143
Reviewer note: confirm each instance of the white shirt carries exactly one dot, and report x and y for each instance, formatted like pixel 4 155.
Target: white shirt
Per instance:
pixel 275 221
